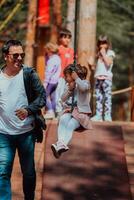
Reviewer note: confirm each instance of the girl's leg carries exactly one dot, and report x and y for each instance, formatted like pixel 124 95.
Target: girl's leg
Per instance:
pixel 49 90
pixel 64 120
pixel 60 146
pixel 53 97
pixel 99 97
pixel 107 87
pixel 66 127
pixel 72 125
pixel 99 101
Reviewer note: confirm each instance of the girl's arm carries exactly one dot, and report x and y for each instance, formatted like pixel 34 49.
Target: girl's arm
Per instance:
pixel 83 85
pixel 108 60
pixel 68 91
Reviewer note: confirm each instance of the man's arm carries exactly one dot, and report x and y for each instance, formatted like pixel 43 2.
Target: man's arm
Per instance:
pixel 38 93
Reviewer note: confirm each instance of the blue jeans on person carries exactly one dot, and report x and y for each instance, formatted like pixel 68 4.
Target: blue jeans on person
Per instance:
pixel 25 144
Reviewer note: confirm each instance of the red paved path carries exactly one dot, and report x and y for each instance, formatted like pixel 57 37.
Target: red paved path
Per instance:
pixel 93 169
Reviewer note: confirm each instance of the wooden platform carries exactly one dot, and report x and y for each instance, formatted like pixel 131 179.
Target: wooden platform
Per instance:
pixel 94 168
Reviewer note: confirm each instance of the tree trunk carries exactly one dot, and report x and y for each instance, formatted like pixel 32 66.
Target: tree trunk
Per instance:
pixel 31 31
pixel 56 20
pixel 87 31
pixel 70 18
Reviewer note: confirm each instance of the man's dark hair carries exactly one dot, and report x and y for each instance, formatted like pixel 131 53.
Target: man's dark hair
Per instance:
pixel 8 44
pixel 65 32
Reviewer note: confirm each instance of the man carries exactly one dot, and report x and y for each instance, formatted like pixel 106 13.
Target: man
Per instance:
pixel 21 97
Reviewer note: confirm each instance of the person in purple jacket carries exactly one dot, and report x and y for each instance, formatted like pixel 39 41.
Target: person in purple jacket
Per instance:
pixel 52 73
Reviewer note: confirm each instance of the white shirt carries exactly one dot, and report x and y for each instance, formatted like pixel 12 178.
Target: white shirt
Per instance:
pixel 102 69
pixel 13 97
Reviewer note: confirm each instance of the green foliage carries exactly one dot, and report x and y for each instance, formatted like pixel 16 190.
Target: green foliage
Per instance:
pixel 115 18
pixel 16 27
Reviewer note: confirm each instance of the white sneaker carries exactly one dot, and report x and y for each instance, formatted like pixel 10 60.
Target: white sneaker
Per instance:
pixel 108 118
pixel 55 150
pixel 62 147
pixel 97 118
pixel 59 148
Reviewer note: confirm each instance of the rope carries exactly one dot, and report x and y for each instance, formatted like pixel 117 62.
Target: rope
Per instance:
pixel 122 91
pixel 2 2
pixel 11 15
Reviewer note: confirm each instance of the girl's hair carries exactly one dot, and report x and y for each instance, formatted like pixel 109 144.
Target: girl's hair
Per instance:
pixel 64 32
pixel 103 39
pixel 52 47
pixel 80 70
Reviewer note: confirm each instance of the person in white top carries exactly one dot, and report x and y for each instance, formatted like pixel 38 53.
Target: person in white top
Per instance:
pixel 21 97
pixel 103 80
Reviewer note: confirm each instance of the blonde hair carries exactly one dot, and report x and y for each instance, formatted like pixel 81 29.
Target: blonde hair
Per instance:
pixel 52 47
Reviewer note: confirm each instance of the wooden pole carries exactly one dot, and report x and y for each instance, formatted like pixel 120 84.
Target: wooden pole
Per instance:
pixel 132 104
pixel 71 18
pixel 57 20
pixel 31 31
pixel 87 31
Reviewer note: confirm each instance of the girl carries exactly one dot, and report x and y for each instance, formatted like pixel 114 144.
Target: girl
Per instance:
pixel 103 82
pixel 75 102
pixel 52 73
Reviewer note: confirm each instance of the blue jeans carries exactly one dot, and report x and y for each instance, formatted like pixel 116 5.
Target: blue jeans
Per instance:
pixel 25 144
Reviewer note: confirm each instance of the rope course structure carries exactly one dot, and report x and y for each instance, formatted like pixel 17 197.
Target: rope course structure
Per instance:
pixel 122 91
pixel 10 16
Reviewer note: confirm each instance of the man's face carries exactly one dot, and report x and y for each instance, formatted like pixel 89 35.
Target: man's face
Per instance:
pixel 15 56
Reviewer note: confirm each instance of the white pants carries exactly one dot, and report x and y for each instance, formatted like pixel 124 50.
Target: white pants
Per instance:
pixel 67 125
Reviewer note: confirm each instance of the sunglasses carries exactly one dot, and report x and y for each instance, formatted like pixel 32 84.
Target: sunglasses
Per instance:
pixel 16 55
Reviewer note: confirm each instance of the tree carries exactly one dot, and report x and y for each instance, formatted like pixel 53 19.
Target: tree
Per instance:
pixel 56 19
pixel 31 32
pixel 87 31
pixel 16 26
pixel 116 20
pixel 70 18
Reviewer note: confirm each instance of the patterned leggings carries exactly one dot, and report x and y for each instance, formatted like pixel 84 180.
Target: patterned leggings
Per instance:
pixel 103 96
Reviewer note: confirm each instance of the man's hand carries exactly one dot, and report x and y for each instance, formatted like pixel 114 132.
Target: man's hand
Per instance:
pixel 21 113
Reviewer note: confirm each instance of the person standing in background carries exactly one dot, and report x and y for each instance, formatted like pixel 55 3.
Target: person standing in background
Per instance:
pixel 66 54
pixel 103 80
pixel 52 74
